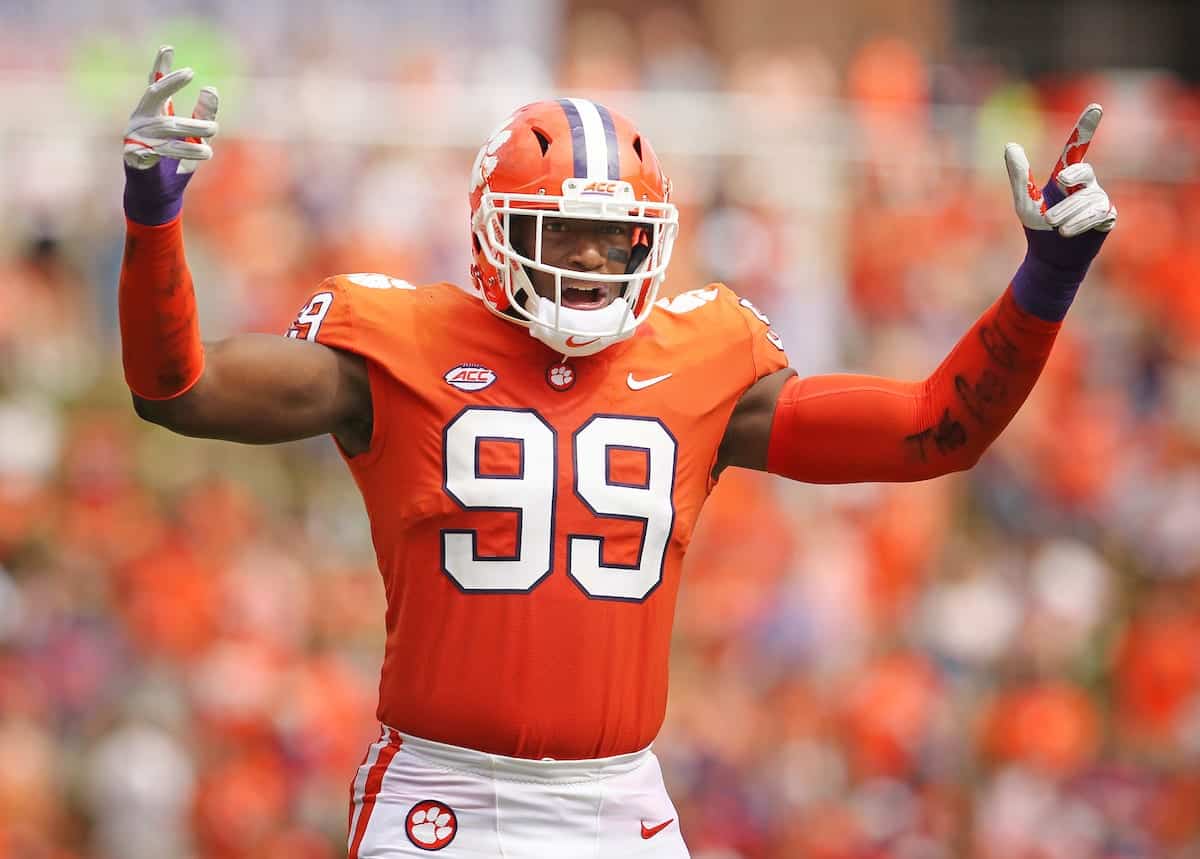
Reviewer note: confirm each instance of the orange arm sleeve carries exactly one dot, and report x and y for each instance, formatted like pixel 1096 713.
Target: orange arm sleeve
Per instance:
pixel 160 332
pixel 854 429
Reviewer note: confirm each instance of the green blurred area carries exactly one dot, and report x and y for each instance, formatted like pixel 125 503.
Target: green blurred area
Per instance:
pixel 102 64
pixel 1010 113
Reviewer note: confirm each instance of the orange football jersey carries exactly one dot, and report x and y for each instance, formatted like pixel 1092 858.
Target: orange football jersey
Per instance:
pixel 530 515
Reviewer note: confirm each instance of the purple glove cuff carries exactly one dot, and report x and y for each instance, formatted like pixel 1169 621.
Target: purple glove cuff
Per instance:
pixel 1044 290
pixel 155 196
pixel 1054 266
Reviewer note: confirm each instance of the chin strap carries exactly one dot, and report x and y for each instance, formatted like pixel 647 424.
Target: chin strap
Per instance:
pixel 522 287
pixel 637 257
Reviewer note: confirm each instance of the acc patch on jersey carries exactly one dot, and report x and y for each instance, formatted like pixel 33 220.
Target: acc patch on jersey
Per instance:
pixel 470 377
pixel 431 825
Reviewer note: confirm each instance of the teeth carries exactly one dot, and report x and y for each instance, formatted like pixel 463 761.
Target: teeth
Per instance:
pixel 583 294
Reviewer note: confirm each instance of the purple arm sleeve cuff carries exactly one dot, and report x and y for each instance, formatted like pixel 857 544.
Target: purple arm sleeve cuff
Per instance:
pixel 1045 290
pixel 1048 279
pixel 154 196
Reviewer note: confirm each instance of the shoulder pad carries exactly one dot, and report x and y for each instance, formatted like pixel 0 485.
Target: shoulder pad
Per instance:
pixel 688 301
pixel 373 280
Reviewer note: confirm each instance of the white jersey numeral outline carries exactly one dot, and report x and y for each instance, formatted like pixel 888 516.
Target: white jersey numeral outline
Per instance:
pixel 311 316
pixel 532 494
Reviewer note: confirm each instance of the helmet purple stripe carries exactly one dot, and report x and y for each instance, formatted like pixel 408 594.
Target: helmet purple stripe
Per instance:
pixel 610 136
pixel 578 138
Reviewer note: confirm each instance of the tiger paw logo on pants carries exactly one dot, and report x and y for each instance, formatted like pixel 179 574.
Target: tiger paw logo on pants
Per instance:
pixel 431 825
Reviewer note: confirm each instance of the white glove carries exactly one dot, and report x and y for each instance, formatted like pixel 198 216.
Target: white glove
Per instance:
pixel 154 131
pixel 1076 201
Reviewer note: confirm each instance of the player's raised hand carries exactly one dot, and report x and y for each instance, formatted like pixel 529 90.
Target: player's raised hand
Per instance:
pixel 162 150
pixel 154 131
pixel 1072 202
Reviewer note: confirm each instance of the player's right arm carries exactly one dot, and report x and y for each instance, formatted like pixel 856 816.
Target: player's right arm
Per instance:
pixel 250 388
pixel 263 389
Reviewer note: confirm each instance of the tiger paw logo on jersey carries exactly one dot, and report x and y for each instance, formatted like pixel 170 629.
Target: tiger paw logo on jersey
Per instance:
pixel 431 825
pixel 560 377
pixel 470 377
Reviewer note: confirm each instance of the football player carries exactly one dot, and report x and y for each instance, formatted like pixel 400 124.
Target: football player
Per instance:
pixel 534 452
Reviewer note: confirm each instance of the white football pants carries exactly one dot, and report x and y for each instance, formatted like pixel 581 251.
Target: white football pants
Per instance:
pixel 415 797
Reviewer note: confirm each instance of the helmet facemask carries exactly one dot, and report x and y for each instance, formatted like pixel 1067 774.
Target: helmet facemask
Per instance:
pixel 576 331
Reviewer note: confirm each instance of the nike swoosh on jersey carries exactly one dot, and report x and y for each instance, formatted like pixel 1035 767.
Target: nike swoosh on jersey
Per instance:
pixel 651 831
pixel 639 384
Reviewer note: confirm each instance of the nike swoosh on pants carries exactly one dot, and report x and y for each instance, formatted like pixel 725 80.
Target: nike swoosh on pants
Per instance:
pixel 651 831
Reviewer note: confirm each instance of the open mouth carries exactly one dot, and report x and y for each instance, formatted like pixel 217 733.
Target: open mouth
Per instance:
pixel 590 297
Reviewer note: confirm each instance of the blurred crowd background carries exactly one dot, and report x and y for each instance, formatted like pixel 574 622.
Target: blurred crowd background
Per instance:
pixel 1002 664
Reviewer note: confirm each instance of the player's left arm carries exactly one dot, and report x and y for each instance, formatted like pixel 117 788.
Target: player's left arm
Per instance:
pixel 850 428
